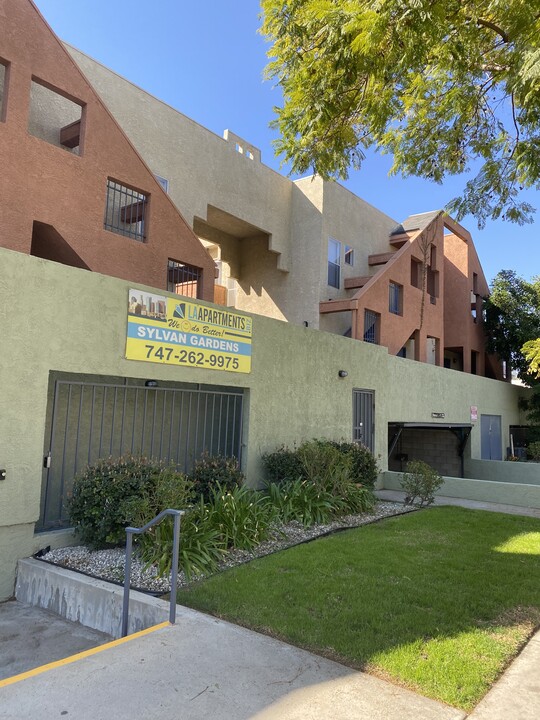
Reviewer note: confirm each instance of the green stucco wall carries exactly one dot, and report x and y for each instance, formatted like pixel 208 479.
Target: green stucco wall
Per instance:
pixel 56 318
pixel 504 493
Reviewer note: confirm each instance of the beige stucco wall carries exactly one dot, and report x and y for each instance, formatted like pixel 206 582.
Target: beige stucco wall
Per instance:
pixel 285 275
pixel 72 321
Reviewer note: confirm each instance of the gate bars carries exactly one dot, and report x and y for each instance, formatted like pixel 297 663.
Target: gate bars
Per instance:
pixel 98 420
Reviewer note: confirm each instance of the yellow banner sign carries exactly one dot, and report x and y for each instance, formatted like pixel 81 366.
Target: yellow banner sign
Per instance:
pixel 178 331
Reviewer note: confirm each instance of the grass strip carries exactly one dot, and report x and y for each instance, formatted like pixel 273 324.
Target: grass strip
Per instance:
pixel 439 601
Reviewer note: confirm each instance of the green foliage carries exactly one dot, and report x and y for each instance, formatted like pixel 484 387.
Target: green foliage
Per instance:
pixel 241 516
pixel 201 546
pixel 302 501
pixel 363 464
pixel 420 481
pixel 325 484
pixel 439 84
pixel 531 352
pixel 211 470
pixel 282 466
pixel 317 457
pixel 234 518
pixel 534 450
pixel 114 493
pixel 513 319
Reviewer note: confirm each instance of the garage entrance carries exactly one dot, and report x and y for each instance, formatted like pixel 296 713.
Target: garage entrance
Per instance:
pixel 93 420
pixel 441 446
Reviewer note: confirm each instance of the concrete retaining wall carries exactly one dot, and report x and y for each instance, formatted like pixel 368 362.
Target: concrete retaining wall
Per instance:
pixel 503 471
pixel 505 493
pixel 94 603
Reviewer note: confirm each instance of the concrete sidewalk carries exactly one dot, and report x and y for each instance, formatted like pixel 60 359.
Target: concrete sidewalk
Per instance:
pixel 206 668
pixel 31 636
pixel 398 496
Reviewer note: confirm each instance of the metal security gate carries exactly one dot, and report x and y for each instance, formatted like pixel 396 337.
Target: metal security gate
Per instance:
pixel 363 418
pixel 97 420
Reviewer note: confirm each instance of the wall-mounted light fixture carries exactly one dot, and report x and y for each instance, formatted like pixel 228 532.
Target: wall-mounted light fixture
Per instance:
pixel 151 383
pixel 342 373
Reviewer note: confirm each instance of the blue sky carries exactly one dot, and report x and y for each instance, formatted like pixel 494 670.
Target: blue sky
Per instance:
pixel 206 59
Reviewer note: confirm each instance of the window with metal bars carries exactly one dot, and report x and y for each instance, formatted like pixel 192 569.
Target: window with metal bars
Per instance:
pixel 371 326
pixel 183 279
pixel 126 211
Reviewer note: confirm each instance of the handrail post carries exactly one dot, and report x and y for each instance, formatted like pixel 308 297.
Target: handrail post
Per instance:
pixel 174 569
pixel 130 531
pixel 127 579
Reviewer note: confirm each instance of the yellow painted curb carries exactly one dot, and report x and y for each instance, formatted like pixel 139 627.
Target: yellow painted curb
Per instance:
pixel 80 656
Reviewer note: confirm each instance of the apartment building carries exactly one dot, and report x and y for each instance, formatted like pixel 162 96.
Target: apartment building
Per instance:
pixel 74 189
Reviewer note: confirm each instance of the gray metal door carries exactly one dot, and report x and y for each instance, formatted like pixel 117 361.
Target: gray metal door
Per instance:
pixel 364 418
pixel 491 441
pixel 98 420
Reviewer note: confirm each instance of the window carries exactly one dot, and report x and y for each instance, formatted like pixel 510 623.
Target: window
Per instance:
pixel 349 255
pixel 3 90
pixel 395 298
pixel 163 182
pixel 371 326
pixel 126 211
pixel 183 279
pixel 416 273
pixel 54 118
pixel 334 267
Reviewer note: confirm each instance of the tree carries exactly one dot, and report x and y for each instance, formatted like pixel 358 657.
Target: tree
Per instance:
pixel 512 320
pixel 440 84
pixel 531 350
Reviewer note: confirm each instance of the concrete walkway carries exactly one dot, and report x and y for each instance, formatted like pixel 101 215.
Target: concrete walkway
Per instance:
pixel 31 636
pixel 398 496
pixel 206 668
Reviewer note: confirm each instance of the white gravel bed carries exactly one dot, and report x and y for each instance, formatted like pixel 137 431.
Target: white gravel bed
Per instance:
pixel 109 564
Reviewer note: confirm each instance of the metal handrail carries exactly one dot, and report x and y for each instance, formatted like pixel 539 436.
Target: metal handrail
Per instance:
pixel 130 532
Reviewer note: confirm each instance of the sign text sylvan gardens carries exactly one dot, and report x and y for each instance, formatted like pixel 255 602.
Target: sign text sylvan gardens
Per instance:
pixel 177 331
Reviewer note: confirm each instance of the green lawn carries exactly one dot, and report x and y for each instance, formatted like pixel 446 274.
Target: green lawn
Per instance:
pixel 439 601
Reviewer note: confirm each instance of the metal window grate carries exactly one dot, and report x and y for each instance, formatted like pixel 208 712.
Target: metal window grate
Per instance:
pixel 183 279
pixel 370 326
pixel 126 211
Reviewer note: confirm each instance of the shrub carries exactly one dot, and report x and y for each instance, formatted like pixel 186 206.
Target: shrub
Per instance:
pixel 282 466
pixel 241 516
pixel 233 518
pixel 420 481
pixel 534 450
pixel 201 546
pixel 325 466
pixel 363 466
pixel 318 481
pixel 285 465
pixel 104 497
pixel 302 501
pixel 211 470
